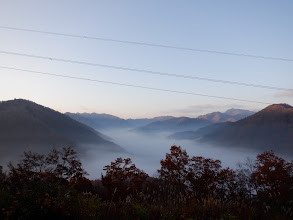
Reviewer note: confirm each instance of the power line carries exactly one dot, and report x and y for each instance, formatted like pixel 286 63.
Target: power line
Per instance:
pixel 146 71
pixel 132 85
pixel 149 44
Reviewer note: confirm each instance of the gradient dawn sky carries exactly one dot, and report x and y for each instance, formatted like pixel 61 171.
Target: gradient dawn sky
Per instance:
pixel 263 28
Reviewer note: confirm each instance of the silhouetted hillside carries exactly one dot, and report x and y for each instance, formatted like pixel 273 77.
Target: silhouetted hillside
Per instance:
pixel 27 124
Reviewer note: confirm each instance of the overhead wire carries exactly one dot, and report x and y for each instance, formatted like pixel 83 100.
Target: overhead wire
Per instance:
pixel 149 44
pixel 145 71
pixel 131 85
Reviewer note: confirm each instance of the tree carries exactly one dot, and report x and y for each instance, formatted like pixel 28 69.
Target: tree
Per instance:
pixel 65 164
pixel 174 169
pixel 44 184
pixel 203 175
pixel 228 186
pixel 123 178
pixel 274 178
pixel 2 177
pixel 32 162
pixel 247 185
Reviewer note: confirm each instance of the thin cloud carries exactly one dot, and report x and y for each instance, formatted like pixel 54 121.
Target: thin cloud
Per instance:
pixel 285 94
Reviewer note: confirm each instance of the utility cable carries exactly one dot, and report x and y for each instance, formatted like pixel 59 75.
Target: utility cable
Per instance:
pixel 149 44
pixel 132 85
pixel 145 71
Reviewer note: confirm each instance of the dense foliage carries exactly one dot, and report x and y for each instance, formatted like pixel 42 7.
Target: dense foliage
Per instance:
pixel 55 186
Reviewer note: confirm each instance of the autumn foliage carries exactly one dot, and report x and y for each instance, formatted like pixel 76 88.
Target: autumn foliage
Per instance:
pixel 185 187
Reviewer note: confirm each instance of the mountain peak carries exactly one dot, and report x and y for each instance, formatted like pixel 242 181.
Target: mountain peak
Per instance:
pixel 18 101
pixel 230 115
pixel 278 108
pixel 235 111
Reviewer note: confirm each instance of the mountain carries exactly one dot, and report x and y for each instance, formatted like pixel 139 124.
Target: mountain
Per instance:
pixel 217 117
pixel 268 129
pixel 231 115
pixel 173 124
pixel 26 124
pixel 238 114
pixel 106 121
pixel 99 121
pixel 110 122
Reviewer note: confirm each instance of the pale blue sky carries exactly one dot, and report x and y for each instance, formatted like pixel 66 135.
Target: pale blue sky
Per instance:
pixel 252 27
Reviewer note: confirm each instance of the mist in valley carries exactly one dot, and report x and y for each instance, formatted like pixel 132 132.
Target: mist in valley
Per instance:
pixel 146 151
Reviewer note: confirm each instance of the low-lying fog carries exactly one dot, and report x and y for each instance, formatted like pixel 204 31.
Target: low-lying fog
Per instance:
pixel 146 151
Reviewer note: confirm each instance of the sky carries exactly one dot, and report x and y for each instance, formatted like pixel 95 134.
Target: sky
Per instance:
pixel 263 28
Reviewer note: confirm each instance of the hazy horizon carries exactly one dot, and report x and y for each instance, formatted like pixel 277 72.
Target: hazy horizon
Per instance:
pixel 176 113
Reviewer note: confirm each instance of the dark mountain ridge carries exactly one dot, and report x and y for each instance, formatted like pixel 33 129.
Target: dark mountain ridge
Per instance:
pixel 25 123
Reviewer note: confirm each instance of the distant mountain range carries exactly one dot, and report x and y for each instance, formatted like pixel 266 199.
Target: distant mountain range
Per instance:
pixel 157 124
pixel 24 124
pixel 270 128
pixel 145 125
pixel 106 121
